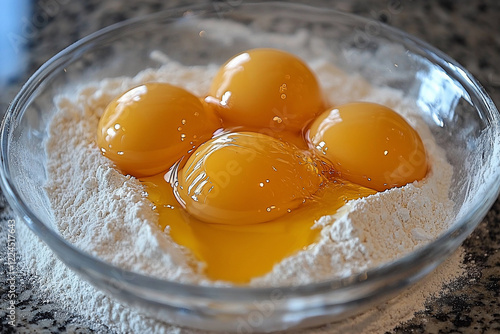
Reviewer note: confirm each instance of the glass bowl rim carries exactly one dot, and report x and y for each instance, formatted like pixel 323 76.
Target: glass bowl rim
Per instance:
pixel 459 231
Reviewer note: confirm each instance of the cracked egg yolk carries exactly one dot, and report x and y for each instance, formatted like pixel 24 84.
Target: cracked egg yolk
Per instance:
pixel 148 128
pixel 370 145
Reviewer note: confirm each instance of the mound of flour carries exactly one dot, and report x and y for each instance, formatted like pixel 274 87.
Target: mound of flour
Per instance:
pixel 106 214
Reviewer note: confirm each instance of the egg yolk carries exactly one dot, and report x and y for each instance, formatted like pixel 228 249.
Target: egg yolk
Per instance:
pixel 266 88
pixel 238 253
pixel 370 145
pixel 148 128
pixel 246 178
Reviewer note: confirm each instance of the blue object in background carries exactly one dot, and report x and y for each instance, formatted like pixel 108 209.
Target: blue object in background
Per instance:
pixel 15 31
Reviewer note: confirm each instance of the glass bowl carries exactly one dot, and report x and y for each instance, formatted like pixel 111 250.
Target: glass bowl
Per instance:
pixel 457 110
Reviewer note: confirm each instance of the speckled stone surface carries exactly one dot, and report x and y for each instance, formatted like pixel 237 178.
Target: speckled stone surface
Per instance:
pixel 468 31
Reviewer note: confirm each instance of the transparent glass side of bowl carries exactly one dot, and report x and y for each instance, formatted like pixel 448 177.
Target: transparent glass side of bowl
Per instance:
pixel 453 120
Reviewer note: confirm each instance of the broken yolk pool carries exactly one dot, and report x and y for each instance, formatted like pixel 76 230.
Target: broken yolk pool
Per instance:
pixel 239 177
pixel 239 252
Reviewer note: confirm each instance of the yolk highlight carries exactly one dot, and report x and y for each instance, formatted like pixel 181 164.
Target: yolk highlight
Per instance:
pixel 148 128
pixel 246 178
pixel 266 88
pixel 370 145
pixel 238 253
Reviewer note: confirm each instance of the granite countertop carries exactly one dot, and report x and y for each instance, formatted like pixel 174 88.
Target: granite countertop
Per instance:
pixel 468 31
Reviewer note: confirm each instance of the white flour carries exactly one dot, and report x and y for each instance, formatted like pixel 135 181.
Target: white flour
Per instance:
pixel 105 214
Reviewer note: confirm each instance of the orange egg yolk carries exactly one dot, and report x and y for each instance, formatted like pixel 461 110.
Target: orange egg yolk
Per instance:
pixel 370 145
pixel 146 129
pixel 266 88
pixel 246 178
